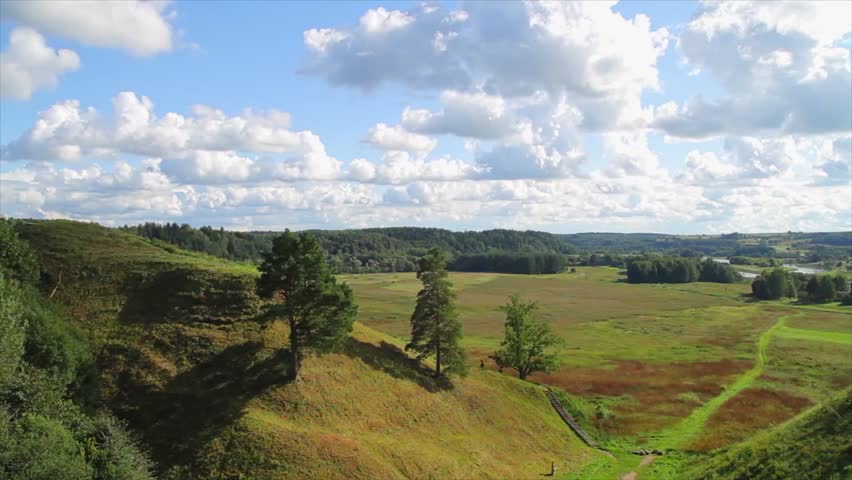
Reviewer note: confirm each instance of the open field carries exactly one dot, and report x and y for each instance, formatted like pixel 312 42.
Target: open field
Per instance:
pixel 677 366
pixel 185 361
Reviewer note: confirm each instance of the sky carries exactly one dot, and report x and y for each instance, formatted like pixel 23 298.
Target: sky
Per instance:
pixel 660 116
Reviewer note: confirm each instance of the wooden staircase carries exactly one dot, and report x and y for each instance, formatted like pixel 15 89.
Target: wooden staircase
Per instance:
pixel 568 419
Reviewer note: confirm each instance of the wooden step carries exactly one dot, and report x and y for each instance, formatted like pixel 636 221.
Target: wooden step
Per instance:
pixel 568 419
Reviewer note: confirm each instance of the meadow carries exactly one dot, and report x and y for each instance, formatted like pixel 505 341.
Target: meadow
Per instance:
pixel 693 367
pixel 699 370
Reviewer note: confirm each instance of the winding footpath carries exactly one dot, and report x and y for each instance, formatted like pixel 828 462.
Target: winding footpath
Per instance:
pixel 681 434
pixel 684 432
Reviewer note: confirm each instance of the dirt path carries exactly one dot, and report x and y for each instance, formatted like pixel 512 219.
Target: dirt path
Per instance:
pixel 682 433
pixel 647 460
pixel 629 476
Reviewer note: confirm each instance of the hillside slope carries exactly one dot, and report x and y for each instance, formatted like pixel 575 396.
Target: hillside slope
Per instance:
pixel 184 361
pixel 814 446
pixel 370 412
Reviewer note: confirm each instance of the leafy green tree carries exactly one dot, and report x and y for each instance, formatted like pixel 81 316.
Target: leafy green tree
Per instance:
pixel 16 256
pixel 44 433
pixel 822 288
pixel 528 345
pixel 37 447
pixel 773 284
pixel 319 310
pixel 435 328
pixel 114 454
pixel 54 344
pixel 12 327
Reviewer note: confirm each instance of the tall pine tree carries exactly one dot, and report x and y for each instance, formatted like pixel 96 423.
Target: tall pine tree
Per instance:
pixel 319 310
pixel 435 328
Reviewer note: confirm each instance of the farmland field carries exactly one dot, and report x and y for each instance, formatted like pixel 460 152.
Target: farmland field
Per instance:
pixel 691 366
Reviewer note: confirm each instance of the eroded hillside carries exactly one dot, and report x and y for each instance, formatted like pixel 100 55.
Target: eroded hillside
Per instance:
pixel 183 358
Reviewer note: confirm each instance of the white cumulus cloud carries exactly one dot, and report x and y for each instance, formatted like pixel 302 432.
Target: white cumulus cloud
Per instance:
pixel 398 138
pixel 29 64
pixel 139 27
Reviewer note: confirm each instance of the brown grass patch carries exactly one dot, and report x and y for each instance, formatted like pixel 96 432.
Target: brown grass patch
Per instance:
pixel 651 394
pixel 750 411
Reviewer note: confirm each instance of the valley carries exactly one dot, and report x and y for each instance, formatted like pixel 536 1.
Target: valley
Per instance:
pixel 186 356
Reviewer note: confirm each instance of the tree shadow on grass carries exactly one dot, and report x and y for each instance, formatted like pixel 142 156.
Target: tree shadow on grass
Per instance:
pixel 177 421
pixel 392 360
pixel 186 295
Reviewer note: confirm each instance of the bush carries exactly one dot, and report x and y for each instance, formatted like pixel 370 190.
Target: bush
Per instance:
pixel 44 361
pixel 37 447
pixel 116 455
pixel 55 345
pixel 12 327
pixel 16 257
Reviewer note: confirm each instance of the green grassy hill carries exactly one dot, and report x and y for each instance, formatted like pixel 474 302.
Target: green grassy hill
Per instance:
pixel 816 445
pixel 182 358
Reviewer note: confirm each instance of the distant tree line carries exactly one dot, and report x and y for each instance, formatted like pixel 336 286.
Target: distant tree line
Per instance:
pixel 684 245
pixel 398 249
pixel 509 262
pixel 679 270
pixel 760 262
pixel 778 283
pixel 801 247
pixel 376 250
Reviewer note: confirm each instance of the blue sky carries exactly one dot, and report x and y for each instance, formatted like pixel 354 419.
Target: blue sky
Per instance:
pixel 561 117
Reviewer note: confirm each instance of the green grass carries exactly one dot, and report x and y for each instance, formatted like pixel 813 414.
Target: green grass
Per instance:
pixel 814 446
pixel 844 338
pixel 652 354
pixel 684 432
pixel 604 322
pixel 184 361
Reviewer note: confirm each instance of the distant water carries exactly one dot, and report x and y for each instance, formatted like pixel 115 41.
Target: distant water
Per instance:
pixel 805 270
pixel 791 266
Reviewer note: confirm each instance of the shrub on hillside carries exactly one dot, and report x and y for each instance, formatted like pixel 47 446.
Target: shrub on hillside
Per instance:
pixel 16 257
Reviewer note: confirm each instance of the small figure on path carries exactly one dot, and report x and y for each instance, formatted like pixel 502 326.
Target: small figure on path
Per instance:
pixel 481 364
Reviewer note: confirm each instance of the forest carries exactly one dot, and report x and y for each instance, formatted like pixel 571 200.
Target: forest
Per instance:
pixel 396 249
pixel 778 283
pixel 509 262
pixel 375 250
pixel 679 270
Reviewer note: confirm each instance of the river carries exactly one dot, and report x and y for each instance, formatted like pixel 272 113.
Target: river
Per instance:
pixel 791 266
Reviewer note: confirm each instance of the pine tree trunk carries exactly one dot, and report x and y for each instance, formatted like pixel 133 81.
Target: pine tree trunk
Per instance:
pixel 294 352
pixel 438 350
pixel 294 359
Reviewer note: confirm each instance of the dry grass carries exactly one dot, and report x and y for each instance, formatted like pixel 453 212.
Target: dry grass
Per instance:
pixel 369 413
pixel 650 396
pixel 749 412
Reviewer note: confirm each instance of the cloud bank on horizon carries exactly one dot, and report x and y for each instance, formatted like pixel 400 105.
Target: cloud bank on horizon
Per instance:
pixel 567 116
